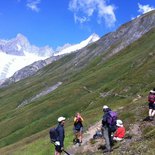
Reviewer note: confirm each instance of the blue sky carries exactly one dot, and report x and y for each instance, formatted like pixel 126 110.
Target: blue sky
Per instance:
pixel 57 22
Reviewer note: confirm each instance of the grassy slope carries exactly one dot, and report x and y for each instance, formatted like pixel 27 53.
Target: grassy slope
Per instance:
pixel 125 75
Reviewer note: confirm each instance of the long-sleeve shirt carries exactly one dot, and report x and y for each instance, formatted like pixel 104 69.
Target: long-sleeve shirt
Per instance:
pixel 120 132
pixel 105 117
pixel 61 134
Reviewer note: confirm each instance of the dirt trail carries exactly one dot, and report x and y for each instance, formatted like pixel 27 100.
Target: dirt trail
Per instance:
pixel 86 145
pixel 91 148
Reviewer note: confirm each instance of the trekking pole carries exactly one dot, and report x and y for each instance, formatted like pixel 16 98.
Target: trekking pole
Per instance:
pixel 62 150
pixel 66 152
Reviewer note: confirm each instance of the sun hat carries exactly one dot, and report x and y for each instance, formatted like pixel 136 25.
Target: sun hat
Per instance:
pixel 105 107
pixel 119 123
pixel 152 91
pixel 60 119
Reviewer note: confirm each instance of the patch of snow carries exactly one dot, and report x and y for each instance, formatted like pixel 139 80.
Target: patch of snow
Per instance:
pixel 9 64
pixel 72 48
pixel 43 93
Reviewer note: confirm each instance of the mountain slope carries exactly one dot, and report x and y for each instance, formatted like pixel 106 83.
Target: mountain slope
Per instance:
pixel 115 82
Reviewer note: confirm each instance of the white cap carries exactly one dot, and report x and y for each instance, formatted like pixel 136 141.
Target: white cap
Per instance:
pixel 105 107
pixel 119 123
pixel 151 91
pixel 60 119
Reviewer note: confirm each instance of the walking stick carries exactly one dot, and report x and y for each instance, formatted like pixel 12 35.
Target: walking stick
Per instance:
pixel 66 152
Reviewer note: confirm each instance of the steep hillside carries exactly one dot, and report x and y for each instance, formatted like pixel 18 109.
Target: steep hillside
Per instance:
pixel 115 82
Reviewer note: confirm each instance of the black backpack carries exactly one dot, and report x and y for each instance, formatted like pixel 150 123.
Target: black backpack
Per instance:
pixel 53 134
pixel 151 98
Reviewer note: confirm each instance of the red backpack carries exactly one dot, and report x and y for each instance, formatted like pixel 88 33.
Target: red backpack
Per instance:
pixel 151 98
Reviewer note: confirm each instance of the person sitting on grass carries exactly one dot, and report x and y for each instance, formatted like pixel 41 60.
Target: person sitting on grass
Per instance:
pixel 98 134
pixel 120 131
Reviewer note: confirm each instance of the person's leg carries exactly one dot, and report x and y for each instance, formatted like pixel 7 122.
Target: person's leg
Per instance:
pixel 110 137
pixel 76 134
pixel 150 112
pixel 106 137
pixel 81 135
pixel 150 109
pixel 57 153
pixel 153 110
pixel 57 150
pixel 153 113
pixel 117 139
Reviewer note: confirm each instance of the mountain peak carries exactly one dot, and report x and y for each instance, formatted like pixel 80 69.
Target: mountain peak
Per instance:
pixel 72 48
pixel 20 35
pixel 21 38
pixel 94 37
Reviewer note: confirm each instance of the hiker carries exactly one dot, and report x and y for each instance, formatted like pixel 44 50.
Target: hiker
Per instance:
pixel 120 132
pixel 151 99
pixel 59 144
pixel 107 128
pixel 78 129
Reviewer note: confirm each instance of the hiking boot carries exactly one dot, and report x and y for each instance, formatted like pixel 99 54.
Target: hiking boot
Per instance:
pixel 112 144
pixel 75 141
pixel 151 118
pixel 101 147
pixel 106 150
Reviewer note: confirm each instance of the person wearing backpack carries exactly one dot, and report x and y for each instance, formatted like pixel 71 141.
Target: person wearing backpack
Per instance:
pixel 120 132
pixel 108 125
pixel 57 136
pixel 78 129
pixel 151 100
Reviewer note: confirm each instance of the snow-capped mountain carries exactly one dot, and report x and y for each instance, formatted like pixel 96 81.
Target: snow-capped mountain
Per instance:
pixel 68 48
pixel 12 63
pixel 18 53
pixel 20 46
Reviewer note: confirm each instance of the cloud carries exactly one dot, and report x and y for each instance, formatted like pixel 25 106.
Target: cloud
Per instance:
pixel 33 5
pixel 84 9
pixel 145 8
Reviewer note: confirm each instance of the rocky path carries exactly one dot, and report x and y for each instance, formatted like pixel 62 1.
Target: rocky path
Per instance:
pixel 86 146
pixel 90 147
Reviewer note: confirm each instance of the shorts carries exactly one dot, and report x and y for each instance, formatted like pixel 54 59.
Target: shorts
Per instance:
pixel 58 148
pixel 78 130
pixel 152 106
